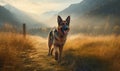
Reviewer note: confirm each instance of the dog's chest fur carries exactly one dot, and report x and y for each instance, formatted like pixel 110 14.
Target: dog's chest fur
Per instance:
pixel 58 40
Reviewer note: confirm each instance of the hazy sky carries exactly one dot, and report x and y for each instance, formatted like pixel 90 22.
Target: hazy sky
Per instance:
pixel 40 6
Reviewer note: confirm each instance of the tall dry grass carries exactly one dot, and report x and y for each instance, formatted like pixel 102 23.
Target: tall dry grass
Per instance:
pixel 92 53
pixel 11 47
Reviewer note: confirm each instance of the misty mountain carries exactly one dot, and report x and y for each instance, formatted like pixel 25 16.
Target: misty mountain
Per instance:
pixel 49 16
pixel 111 7
pixel 23 17
pixel 94 16
pixel 51 13
pixel 93 7
pixel 6 16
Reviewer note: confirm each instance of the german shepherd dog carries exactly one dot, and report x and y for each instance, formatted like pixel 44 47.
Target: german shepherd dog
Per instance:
pixel 57 37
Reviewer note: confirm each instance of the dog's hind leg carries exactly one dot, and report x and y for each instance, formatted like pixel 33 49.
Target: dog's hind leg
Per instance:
pixel 50 42
pixel 51 51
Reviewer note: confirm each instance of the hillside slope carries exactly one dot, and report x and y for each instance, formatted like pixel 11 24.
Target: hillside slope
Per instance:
pixel 6 16
pixel 23 17
pixel 93 7
pixel 94 16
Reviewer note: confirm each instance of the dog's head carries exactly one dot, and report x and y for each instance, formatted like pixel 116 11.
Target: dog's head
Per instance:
pixel 63 25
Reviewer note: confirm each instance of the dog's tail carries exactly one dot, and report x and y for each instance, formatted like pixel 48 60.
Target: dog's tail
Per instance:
pixel 50 38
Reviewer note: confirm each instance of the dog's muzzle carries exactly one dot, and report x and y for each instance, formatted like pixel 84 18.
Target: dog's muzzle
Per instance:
pixel 65 29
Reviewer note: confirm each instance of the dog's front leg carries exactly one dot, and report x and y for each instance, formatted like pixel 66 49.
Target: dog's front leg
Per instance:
pixel 56 52
pixel 60 53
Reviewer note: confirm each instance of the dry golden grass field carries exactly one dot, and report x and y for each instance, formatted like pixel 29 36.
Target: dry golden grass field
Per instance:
pixel 12 48
pixel 81 53
pixel 89 53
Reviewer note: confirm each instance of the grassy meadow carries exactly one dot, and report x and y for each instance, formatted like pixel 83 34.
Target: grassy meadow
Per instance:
pixel 12 47
pixel 81 53
pixel 92 53
pixel 92 43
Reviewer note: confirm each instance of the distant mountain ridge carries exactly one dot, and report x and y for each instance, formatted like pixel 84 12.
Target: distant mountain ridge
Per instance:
pixel 16 17
pixel 48 16
pixel 50 13
pixel 94 16
pixel 23 17
pixel 6 16
pixel 93 7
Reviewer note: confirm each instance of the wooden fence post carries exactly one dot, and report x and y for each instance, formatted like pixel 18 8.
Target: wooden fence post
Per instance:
pixel 24 30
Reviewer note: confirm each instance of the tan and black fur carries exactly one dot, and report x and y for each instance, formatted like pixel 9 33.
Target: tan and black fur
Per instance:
pixel 57 37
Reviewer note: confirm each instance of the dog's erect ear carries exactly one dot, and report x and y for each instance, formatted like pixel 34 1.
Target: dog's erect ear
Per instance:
pixel 59 19
pixel 68 20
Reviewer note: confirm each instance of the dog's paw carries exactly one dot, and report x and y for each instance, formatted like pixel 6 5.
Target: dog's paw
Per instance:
pixel 59 61
pixel 49 55
pixel 56 56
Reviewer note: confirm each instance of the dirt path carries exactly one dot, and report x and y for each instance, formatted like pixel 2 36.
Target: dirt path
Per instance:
pixel 37 59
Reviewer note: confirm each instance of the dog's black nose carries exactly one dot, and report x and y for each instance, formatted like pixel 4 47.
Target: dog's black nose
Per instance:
pixel 66 27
